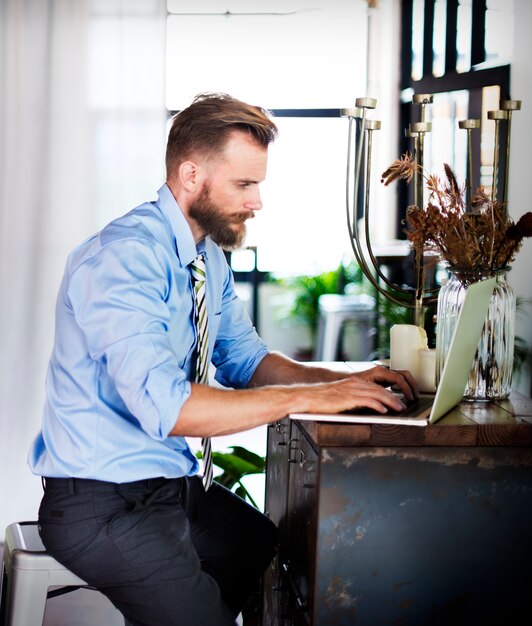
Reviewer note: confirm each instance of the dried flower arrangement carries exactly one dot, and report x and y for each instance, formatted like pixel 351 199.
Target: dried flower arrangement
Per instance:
pixel 481 235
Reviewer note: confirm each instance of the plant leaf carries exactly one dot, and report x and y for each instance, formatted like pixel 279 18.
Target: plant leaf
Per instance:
pixel 245 454
pixel 235 465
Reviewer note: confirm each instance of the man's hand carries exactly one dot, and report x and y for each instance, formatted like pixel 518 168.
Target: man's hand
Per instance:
pixel 398 378
pixel 358 390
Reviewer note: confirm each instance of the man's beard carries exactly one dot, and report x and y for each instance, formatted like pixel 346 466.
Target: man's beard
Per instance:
pixel 216 223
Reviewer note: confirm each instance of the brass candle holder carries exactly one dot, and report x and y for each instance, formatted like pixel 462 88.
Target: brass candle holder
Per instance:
pixel 420 296
pixel 416 298
pixel 508 106
pixel 469 126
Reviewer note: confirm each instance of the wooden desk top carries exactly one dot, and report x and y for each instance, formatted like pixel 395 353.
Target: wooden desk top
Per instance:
pixel 505 423
pixel 502 423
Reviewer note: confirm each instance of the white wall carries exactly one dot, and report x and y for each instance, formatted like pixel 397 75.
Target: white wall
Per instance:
pixel 520 162
pixel 82 137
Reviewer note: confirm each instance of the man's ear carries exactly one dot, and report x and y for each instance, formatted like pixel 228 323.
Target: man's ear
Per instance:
pixel 189 176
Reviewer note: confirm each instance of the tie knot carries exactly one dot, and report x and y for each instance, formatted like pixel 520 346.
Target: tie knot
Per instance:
pixel 198 268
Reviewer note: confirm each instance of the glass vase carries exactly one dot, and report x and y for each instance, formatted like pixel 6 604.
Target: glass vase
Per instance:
pixel 491 375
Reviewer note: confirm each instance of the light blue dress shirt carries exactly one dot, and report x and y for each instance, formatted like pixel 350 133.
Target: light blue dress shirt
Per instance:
pixel 124 349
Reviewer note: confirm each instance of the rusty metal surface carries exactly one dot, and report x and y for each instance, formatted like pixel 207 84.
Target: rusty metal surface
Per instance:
pixel 412 536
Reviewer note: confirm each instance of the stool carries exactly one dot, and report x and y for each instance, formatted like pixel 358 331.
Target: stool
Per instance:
pixel 28 573
pixel 334 311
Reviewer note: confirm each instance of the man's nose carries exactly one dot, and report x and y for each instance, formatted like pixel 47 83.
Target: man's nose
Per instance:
pixel 254 203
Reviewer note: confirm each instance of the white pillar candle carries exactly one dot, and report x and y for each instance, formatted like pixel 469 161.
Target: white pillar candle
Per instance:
pixel 426 378
pixel 405 342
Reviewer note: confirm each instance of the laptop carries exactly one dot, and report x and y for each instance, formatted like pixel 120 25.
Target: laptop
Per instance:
pixel 453 380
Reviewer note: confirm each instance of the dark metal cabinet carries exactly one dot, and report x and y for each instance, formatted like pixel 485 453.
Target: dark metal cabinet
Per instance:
pixel 276 601
pixel 403 525
pixel 298 564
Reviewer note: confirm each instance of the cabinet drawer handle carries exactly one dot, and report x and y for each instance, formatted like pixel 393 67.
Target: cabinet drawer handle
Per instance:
pixel 299 456
pixel 298 596
pixel 280 428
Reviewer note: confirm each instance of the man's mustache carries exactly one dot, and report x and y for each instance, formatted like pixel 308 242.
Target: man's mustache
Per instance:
pixel 242 217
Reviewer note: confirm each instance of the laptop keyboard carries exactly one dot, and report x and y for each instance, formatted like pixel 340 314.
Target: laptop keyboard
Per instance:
pixel 413 407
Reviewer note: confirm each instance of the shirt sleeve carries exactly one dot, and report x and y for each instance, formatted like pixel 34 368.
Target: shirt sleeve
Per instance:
pixel 119 297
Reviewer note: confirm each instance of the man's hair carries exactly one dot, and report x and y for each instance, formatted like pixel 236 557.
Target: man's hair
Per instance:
pixel 204 127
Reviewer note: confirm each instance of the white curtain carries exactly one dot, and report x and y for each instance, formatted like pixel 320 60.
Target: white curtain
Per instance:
pixel 82 134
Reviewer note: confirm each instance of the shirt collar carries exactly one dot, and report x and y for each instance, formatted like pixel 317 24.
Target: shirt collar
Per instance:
pixel 185 245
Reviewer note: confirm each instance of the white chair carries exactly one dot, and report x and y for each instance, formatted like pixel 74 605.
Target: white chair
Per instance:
pixel 334 311
pixel 30 576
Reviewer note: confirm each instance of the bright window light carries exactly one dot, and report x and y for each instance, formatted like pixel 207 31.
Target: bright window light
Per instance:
pixel 418 13
pixel 463 36
pixel 440 24
pixel 311 57
pixel 499 29
pixel 302 226
pixel 297 58
pixel 447 143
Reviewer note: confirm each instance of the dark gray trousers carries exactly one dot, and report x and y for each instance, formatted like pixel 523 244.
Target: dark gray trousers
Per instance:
pixel 165 552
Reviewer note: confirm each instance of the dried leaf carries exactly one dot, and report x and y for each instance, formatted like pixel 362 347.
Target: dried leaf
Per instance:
pixel 479 235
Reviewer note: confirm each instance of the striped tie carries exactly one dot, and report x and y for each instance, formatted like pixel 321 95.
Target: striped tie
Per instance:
pixel 202 362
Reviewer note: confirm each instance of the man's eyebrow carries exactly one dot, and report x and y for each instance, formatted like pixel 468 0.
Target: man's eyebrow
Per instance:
pixel 248 180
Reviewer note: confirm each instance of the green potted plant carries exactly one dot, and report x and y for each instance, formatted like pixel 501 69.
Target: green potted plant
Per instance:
pixel 309 288
pixel 235 465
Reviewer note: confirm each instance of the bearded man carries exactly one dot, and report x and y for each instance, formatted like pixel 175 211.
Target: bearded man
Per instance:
pixel 145 306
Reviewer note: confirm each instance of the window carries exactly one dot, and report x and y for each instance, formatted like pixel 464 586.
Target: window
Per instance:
pixel 457 50
pixel 447 143
pixel 456 35
pixel 291 54
pixel 499 31
pixel 304 61
pixel 463 36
